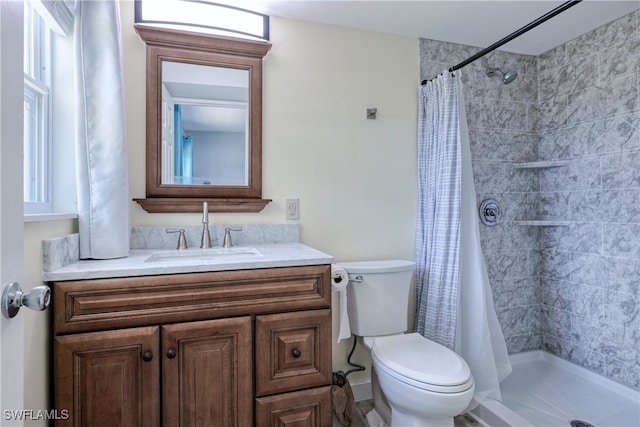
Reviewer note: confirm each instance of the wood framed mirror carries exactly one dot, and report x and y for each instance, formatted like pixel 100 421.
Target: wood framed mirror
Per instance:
pixel 204 122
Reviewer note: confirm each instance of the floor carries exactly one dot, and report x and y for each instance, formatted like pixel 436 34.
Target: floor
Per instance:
pixel 460 421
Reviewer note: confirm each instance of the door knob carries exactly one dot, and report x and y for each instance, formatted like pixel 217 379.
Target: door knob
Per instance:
pixel 13 298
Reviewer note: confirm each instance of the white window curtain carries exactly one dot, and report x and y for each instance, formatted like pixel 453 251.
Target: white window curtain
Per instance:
pixel 101 149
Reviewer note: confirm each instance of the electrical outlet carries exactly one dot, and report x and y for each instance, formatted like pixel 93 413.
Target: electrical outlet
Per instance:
pixel 293 209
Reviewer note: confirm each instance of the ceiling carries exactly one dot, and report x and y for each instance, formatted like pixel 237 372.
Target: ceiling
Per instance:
pixel 474 22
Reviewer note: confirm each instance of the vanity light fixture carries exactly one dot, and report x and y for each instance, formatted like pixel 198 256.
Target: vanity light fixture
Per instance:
pixel 203 16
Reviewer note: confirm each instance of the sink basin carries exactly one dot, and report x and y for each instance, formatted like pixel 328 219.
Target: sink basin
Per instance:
pixel 212 254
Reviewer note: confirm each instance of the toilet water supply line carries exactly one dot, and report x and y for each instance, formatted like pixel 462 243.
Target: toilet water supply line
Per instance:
pixel 339 282
pixel 340 377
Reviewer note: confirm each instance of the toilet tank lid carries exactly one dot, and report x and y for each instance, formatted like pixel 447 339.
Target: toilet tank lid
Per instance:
pixel 381 266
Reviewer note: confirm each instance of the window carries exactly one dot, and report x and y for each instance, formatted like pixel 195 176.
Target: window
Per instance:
pixel 49 172
pixel 37 105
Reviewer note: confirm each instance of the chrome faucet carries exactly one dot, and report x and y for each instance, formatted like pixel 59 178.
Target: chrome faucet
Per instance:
pixel 205 241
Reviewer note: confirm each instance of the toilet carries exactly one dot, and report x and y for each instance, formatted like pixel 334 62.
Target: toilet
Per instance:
pixel 414 381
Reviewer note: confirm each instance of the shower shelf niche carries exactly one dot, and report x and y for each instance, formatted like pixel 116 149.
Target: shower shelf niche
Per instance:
pixel 542 223
pixel 541 164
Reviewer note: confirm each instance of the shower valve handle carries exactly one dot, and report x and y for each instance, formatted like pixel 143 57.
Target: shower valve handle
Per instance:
pixel 490 212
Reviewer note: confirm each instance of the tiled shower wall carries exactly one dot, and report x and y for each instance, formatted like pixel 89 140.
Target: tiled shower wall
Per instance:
pixel 571 290
pixel 590 270
pixel 502 120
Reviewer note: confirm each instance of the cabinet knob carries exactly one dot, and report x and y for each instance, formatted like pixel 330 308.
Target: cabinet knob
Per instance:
pixel 147 356
pixel 171 354
pixel 296 353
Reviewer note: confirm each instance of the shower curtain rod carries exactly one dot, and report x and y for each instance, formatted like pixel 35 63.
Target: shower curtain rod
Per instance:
pixel 564 6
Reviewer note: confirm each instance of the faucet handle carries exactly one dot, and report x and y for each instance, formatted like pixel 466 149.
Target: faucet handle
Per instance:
pixel 227 236
pixel 182 240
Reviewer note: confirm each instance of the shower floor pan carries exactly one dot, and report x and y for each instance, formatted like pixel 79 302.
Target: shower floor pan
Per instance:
pixel 546 391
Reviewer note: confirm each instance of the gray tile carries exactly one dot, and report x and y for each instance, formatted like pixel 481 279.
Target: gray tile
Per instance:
pixel 608 99
pixel 565 80
pixel 516 292
pixel 581 237
pixel 580 174
pixel 620 59
pixel 607 35
pixel 621 240
pixel 621 170
pixel 551 59
pixel 507 263
pixel 627 374
pixel 622 309
pixel 523 342
pixel 519 320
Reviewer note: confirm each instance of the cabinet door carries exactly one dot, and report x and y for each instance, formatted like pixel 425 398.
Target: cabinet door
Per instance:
pixel 307 408
pixel 293 351
pixel 108 378
pixel 207 373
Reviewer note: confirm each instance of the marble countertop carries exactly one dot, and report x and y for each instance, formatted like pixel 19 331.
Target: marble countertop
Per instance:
pixel 170 262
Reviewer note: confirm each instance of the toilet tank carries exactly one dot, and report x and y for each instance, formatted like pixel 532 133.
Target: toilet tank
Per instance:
pixel 378 296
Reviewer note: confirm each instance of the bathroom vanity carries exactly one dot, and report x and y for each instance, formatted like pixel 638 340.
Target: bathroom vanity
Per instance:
pixel 233 340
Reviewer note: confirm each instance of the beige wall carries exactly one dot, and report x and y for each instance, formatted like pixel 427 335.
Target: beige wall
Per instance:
pixel 355 178
pixel 37 325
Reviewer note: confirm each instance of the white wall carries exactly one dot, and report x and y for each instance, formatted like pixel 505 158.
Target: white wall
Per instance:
pixel 355 178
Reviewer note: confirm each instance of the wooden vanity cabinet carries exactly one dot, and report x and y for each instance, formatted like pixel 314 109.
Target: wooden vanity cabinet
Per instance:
pixel 102 379
pixel 232 348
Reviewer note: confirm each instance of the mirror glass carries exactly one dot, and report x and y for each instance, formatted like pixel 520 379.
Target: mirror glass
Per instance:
pixel 203 122
pixel 205 135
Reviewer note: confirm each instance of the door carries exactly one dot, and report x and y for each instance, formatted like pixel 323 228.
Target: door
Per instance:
pixel 109 378
pixel 11 207
pixel 207 378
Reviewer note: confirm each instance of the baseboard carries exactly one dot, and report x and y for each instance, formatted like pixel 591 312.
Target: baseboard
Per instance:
pixel 362 391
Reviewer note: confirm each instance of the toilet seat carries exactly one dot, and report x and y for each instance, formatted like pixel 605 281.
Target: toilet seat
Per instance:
pixel 422 363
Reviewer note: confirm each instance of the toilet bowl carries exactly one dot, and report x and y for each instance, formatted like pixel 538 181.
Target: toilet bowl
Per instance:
pixel 424 383
pixel 415 381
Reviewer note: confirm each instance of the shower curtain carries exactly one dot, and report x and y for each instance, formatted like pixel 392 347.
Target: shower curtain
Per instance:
pixel 454 304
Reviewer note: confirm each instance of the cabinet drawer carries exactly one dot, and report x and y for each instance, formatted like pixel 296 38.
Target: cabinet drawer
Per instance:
pixel 293 351
pixel 307 408
pixel 99 304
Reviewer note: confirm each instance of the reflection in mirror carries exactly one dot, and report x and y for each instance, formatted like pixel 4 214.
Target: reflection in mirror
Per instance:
pixel 204 125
